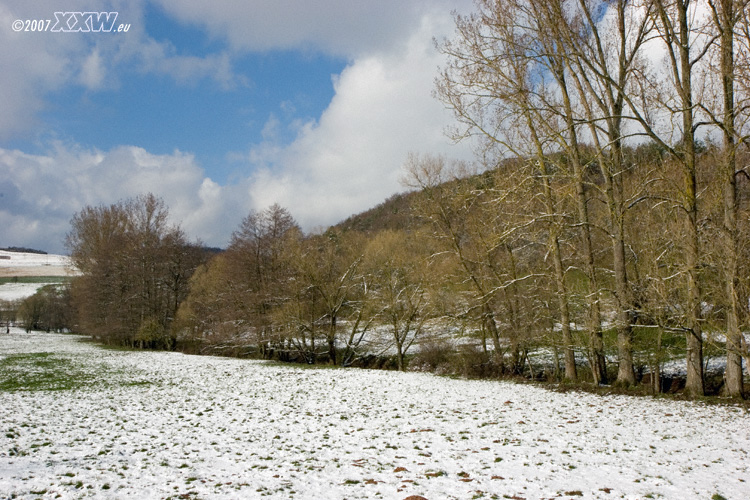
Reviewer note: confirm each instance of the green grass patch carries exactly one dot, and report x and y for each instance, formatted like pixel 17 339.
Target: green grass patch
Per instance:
pixel 47 371
pixel 40 372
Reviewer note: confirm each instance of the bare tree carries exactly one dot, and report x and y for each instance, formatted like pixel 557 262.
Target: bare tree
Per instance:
pixel 726 16
pixel 328 286
pixel 210 319
pixel 678 27
pixel 506 64
pixel 134 269
pixel 398 263
pixel 482 228
pixel 602 60
pixel 258 269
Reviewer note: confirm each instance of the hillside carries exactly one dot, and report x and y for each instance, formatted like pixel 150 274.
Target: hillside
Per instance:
pixel 393 213
pixel 397 212
pixel 23 264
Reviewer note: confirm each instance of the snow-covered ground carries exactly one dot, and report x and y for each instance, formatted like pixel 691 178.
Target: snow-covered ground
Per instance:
pixel 33 264
pixel 20 259
pixel 167 425
pixel 21 264
pixel 18 291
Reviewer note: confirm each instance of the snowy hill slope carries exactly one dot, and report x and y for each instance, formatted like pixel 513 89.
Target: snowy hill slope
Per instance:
pixel 32 264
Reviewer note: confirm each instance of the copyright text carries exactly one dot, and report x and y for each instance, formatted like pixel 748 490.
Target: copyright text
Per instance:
pixel 73 22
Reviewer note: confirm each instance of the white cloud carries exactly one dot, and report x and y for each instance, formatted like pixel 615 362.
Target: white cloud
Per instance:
pixel 92 70
pixel 351 158
pixel 33 65
pixel 340 27
pixel 347 160
pixel 161 58
pixel 40 193
pixel 30 66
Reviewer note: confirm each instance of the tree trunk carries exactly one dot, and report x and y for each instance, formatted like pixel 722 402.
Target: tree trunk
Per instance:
pixel 488 318
pixel 598 362
pixel 733 374
pixel 332 342
pixel 571 373
pixel 312 358
pixel 399 355
pixel 734 383
pixel 676 34
pixel 625 372
pixel 694 384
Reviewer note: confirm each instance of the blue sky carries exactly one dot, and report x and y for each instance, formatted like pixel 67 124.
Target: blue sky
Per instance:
pixel 219 108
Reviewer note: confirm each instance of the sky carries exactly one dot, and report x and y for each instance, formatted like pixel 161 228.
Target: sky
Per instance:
pixel 219 108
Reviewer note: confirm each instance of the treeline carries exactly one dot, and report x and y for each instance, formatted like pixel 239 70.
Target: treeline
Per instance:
pixel 341 297
pixel 135 269
pixel 49 309
pixel 657 242
pixel 468 285
pixel 602 231
pixel 24 250
pixel 338 297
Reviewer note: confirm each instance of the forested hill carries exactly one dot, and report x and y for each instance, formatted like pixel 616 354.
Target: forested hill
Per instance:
pixel 400 211
pixel 23 250
pixel 394 213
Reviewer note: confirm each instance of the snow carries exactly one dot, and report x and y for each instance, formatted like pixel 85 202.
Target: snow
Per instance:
pixel 18 291
pixel 22 259
pixel 33 264
pixel 23 265
pixel 168 425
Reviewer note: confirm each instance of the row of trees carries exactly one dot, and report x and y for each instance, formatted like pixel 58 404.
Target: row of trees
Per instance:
pixel 477 266
pixel 567 86
pixel 273 293
pixel 49 309
pixel 8 313
pixel 483 263
pixel 605 220
pixel 278 293
pixel 135 270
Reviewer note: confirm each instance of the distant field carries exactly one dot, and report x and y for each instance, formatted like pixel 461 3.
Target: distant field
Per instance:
pixel 20 287
pixel 23 265
pixel 33 271
pixel 22 274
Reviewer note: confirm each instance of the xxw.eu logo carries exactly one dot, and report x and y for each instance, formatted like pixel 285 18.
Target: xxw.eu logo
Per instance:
pixel 73 22
pixel 84 21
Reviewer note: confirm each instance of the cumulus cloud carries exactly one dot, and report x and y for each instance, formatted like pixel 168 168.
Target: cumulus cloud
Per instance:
pixel 350 159
pixel 40 193
pixel 33 65
pixel 344 161
pixel 340 27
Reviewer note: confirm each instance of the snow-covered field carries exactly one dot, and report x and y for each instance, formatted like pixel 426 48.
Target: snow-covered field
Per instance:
pixel 32 264
pixel 18 291
pixel 18 264
pixel 167 425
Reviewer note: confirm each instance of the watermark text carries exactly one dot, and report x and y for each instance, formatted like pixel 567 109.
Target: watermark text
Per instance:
pixel 74 22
